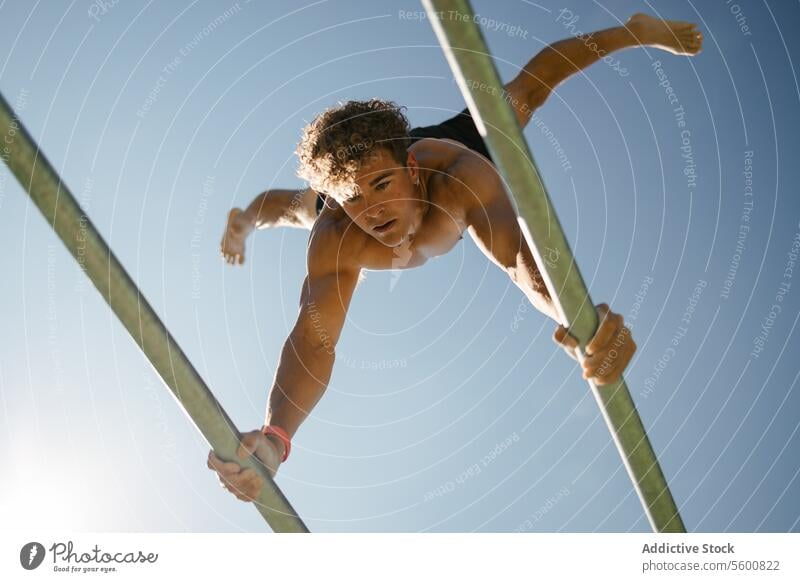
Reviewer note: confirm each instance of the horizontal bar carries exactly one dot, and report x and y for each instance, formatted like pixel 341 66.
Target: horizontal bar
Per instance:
pixel 455 26
pixel 23 157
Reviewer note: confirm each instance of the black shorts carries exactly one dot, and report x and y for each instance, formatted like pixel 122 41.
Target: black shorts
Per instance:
pixel 460 128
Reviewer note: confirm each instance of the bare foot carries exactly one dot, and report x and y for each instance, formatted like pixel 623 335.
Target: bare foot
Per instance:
pixel 236 232
pixel 674 36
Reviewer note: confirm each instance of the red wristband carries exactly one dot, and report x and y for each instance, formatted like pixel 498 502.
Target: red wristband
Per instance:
pixel 281 434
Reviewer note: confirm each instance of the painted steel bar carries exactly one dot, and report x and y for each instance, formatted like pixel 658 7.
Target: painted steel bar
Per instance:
pixel 23 157
pixel 455 26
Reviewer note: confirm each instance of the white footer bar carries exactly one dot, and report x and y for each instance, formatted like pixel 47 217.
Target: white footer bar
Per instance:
pixel 401 557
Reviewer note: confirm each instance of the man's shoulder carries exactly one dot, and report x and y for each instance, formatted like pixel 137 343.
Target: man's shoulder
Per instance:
pixel 335 243
pixel 471 178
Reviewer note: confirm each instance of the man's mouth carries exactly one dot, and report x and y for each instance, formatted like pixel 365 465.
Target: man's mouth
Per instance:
pixel 385 226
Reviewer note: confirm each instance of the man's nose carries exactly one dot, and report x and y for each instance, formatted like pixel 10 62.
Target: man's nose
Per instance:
pixel 375 210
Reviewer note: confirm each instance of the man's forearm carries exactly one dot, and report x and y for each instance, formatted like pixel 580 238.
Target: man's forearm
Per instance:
pixel 254 213
pixel 303 374
pixel 529 279
pixel 268 208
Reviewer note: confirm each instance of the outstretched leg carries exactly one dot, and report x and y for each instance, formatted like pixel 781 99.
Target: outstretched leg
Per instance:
pixel 562 59
pixel 273 208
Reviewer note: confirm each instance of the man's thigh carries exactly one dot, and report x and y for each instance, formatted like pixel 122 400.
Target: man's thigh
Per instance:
pixel 525 94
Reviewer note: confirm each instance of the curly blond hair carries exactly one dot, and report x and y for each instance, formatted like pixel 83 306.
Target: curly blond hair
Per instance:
pixel 340 139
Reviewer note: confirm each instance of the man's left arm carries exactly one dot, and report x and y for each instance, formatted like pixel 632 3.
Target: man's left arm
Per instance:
pixel 492 224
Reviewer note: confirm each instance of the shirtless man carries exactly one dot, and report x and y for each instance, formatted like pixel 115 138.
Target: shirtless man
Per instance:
pixel 396 197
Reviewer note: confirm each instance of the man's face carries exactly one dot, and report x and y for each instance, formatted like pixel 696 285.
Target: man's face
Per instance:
pixel 385 202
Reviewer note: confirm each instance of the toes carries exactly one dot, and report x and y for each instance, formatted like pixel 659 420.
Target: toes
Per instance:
pixel 694 45
pixel 692 42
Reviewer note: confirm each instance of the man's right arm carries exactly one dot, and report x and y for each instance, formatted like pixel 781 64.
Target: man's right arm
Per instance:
pixel 306 361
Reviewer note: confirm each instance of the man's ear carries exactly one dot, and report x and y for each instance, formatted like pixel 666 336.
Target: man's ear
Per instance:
pixel 413 166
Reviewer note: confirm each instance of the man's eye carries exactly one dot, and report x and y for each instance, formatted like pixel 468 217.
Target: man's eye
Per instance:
pixel 353 199
pixel 382 186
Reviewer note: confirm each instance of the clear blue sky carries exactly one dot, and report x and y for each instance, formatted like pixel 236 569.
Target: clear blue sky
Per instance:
pixel 450 408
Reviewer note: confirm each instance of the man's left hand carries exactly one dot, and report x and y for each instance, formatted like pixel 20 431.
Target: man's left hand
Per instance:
pixel 607 353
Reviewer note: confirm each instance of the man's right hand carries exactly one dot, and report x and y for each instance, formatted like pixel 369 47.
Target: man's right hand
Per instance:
pixel 236 232
pixel 246 484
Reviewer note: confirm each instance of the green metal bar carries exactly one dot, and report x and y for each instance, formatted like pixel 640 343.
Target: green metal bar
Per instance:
pixel 21 154
pixel 469 58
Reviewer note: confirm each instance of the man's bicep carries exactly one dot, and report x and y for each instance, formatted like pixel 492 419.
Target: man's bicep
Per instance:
pixel 493 224
pixel 494 227
pixel 324 302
